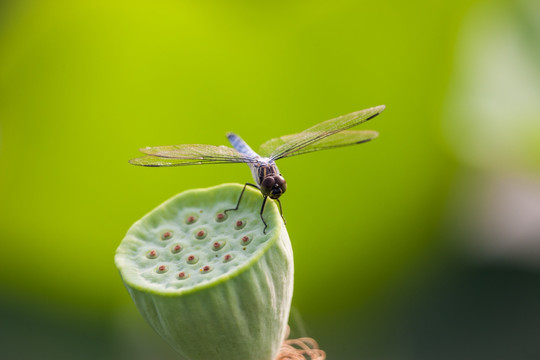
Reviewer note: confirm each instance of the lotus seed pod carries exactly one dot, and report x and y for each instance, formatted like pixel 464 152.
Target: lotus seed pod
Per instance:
pixel 211 283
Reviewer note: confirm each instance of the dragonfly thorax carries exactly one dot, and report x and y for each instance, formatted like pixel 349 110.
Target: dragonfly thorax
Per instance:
pixel 270 181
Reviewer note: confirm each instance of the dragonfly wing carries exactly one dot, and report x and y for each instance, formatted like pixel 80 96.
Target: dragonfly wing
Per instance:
pixel 189 154
pixel 343 138
pixel 288 145
pixel 156 161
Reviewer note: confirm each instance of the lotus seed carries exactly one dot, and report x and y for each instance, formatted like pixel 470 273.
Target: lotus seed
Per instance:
pixel 227 258
pixel 192 259
pixel 162 269
pixel 201 234
pixel 191 219
pixel 240 224
pixel 218 245
pixel 182 275
pixel 176 248
pixel 152 254
pixel 205 269
pixel 246 240
pixel 221 217
pixel 166 235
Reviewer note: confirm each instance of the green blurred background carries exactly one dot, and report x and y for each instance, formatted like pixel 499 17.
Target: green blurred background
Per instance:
pixel 424 244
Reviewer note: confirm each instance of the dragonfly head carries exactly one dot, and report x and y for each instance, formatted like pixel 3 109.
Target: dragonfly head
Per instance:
pixel 273 186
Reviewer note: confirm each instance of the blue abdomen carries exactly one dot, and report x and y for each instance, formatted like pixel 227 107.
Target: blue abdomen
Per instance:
pixel 240 145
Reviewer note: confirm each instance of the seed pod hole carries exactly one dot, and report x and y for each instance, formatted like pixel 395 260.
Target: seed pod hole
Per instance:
pixel 192 259
pixel 175 249
pixel 206 269
pixel 201 234
pixel 239 224
pixel 191 219
pixel 182 275
pixel 220 217
pixel 162 269
pixel 152 254
pixel 218 245
pixel 245 240
pixel 166 235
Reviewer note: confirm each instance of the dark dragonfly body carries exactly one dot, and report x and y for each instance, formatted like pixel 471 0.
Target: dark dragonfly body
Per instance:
pixel 264 170
pixel 326 135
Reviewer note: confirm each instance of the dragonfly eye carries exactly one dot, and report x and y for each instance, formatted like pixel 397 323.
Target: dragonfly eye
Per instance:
pixel 268 182
pixel 281 183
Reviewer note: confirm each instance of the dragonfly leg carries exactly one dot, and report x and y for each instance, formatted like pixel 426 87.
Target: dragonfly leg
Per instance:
pixel 240 198
pixel 262 218
pixel 281 211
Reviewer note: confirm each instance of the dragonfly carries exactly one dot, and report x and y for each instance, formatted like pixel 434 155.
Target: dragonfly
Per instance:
pixel 328 134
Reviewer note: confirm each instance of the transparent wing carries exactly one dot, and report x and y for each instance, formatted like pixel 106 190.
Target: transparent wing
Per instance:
pixel 189 154
pixel 287 145
pixel 343 138
pixel 156 161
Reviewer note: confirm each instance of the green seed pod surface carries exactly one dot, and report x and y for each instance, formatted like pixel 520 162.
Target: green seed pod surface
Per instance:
pixel 211 283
